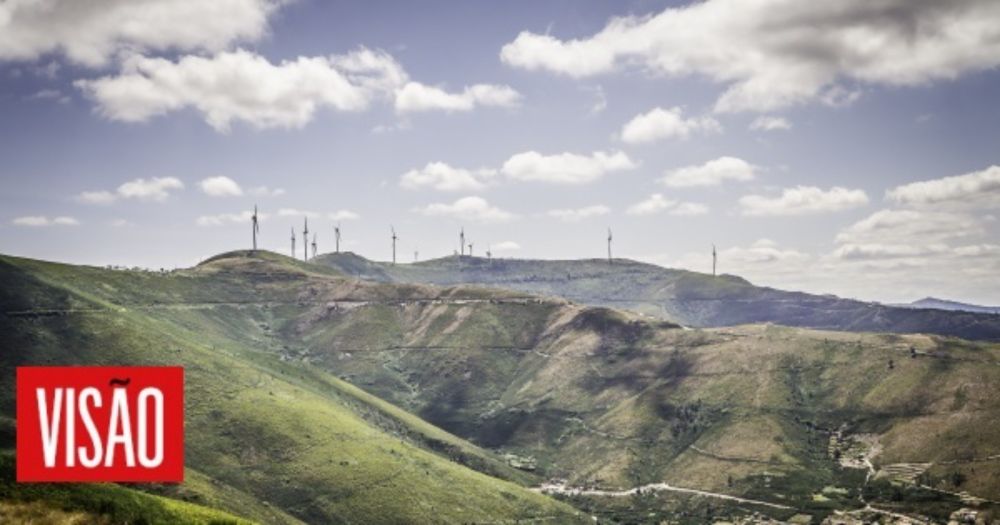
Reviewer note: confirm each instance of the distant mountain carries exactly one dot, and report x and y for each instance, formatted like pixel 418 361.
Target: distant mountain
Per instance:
pixel 690 298
pixel 952 306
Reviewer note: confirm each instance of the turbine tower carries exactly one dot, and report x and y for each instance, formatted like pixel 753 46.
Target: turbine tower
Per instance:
pixel 489 254
pixel 336 237
pixel 256 227
pixel 609 247
pixel 293 242
pixel 461 241
pixel 470 249
pixel 305 240
pixel 713 260
pixel 394 239
pixel 314 244
pixel 416 255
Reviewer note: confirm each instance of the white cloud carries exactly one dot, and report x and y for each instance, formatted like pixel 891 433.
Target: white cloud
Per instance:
pixel 506 246
pixel 414 97
pixel 910 227
pixel 223 219
pixel 762 257
pixel 657 203
pixel 659 124
pixel 775 53
pixel 579 214
pixel 339 215
pixel 97 197
pixel 41 220
pixel 711 173
pixel 245 87
pixel 475 209
pixel 803 200
pixel 264 191
pixel 688 209
pixel 971 190
pixel 442 177
pixel 91 33
pixel 654 204
pixel 221 186
pixel 343 215
pixel 565 168
pixel 155 188
pixel 152 189
pixel 770 123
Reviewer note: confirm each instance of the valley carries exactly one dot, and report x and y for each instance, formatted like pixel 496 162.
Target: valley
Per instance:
pixel 318 397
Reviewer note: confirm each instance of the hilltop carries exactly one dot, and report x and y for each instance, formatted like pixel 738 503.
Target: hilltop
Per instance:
pixel 690 298
pixel 269 437
pixel 319 397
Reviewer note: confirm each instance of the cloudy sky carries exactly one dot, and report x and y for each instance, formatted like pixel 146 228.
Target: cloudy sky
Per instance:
pixel 845 147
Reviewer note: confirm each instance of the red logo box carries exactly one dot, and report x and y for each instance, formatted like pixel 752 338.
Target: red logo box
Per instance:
pixel 97 423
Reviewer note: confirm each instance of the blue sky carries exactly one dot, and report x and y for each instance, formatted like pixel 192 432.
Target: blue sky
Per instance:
pixel 845 148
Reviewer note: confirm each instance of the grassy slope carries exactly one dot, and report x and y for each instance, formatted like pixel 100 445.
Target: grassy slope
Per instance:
pixel 691 298
pixel 601 396
pixel 265 439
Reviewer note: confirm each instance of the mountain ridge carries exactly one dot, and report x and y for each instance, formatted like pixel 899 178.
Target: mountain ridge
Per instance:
pixel 683 296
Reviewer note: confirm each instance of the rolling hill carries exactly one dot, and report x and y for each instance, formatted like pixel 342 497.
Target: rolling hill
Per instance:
pixel 269 439
pixel 318 397
pixel 690 298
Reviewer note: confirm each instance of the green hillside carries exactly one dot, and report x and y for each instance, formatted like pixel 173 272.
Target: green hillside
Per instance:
pixel 323 398
pixel 268 438
pixel 690 298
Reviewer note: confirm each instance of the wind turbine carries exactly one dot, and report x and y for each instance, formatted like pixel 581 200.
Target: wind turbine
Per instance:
pixel 293 242
pixel 305 240
pixel 336 237
pixel 489 254
pixel 461 241
pixel 470 249
pixel 256 227
pixel 609 247
pixel 416 255
pixel 314 244
pixel 713 260
pixel 394 239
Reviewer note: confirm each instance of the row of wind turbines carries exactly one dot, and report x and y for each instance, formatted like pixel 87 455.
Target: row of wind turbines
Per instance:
pixel 416 254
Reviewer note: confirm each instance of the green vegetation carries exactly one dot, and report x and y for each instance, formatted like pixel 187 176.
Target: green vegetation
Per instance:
pixel 313 396
pixel 267 438
pixel 690 298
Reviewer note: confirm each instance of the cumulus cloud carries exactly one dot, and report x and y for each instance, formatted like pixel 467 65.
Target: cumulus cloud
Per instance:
pixel 91 33
pixel 474 209
pixel 223 219
pixel 343 215
pixel 415 97
pixel 657 203
pixel 264 191
pixel 220 186
pixel 41 220
pixel 579 214
pixel 909 227
pixel 506 246
pixel 770 123
pixel 659 124
pixel 979 189
pixel 711 173
pixel 442 177
pixel 339 215
pixel 565 168
pixel 688 209
pixel 803 200
pixel 152 189
pixel 775 53
pixel 246 87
